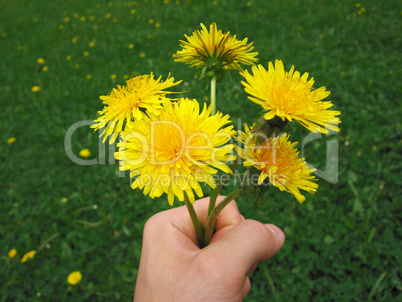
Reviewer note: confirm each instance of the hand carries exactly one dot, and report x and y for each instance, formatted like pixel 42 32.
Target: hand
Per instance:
pixel 174 268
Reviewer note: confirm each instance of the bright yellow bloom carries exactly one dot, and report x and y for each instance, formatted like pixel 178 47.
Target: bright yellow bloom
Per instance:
pixel 127 103
pixel 35 88
pixel 173 151
pixel 11 140
pixel 215 48
pixel 85 153
pixel 278 160
pixel 74 278
pixel 289 96
pixel 12 253
pixel 40 61
pixel 29 255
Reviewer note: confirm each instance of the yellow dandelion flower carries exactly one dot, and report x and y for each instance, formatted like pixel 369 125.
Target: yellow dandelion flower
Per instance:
pixel 127 103
pixel 151 21
pixel 113 76
pixel 86 53
pixel 64 199
pixel 142 55
pixel 173 151
pixel 11 140
pixel 89 76
pixel 92 44
pixel 289 96
pixel 40 61
pixel 74 278
pixel 131 46
pixel 85 153
pixel 133 11
pixel 12 253
pixel 157 25
pixel 45 68
pixel 29 255
pixel 35 88
pixel 278 160
pixel 214 48
pixel 68 58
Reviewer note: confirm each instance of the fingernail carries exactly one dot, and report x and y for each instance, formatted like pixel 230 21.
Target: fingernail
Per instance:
pixel 277 231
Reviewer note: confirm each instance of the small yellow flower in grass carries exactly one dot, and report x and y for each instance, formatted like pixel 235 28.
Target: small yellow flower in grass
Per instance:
pixel 151 21
pixel 29 255
pixel 45 68
pixel 157 25
pixel 75 39
pixel 40 61
pixel 92 43
pixel 66 19
pixel 68 58
pixel 89 76
pixel 142 55
pixel 64 199
pixel 11 140
pixel 12 253
pixel 113 76
pixel 131 46
pixel 278 160
pixel 208 48
pixel 35 88
pixel 127 103
pixel 174 150
pixel 133 11
pixel 74 278
pixel 290 97
pixel 86 53
pixel 85 153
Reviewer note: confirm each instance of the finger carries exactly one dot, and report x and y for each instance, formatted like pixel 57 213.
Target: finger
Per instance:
pixel 246 244
pixel 246 287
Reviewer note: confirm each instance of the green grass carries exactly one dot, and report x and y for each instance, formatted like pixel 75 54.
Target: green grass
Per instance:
pixel 343 244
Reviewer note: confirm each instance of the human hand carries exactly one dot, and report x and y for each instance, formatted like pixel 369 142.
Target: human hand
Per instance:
pixel 174 268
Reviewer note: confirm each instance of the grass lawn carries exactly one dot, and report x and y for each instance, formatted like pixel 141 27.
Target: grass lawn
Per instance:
pixel 342 244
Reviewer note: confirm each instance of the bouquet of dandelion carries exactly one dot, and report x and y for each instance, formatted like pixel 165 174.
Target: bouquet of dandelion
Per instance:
pixel 172 145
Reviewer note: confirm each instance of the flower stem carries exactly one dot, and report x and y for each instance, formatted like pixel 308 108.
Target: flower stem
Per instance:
pixel 213 197
pixel 213 94
pixel 196 222
pixel 209 230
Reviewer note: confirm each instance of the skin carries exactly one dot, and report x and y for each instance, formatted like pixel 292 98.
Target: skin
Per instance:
pixel 174 268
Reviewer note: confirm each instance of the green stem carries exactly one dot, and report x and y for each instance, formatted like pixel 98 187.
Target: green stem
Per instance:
pixel 213 95
pixel 196 222
pixel 209 230
pixel 213 197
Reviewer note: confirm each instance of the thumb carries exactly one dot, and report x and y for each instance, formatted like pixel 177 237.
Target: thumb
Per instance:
pixel 246 244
